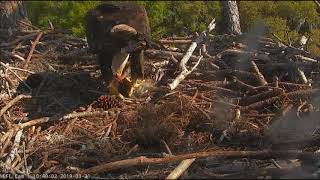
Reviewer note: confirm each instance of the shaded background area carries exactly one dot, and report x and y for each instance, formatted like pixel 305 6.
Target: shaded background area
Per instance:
pixel 182 18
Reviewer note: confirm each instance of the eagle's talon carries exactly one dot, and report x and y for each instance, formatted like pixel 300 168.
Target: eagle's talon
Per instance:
pixel 113 89
pixel 135 85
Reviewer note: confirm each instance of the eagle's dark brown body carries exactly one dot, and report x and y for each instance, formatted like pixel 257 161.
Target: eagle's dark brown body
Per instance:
pixel 100 21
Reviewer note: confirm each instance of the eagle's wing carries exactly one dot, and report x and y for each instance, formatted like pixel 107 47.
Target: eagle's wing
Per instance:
pixel 107 8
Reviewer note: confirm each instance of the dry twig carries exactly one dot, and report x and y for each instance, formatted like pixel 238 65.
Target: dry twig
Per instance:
pixel 142 160
pixel 14 149
pixel 13 102
pixel 21 38
pixel 180 169
pixel 183 75
pixel 261 77
pixel 194 44
pixel 34 43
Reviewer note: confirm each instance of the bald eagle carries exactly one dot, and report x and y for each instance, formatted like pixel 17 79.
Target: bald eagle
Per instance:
pixel 118 32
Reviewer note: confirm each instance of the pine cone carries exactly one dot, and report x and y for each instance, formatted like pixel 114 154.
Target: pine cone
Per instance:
pixel 106 102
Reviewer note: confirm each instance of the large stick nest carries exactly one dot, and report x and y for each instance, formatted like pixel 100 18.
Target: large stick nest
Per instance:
pixel 224 104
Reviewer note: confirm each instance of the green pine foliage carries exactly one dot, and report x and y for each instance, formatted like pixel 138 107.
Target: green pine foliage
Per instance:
pixel 180 18
pixel 68 15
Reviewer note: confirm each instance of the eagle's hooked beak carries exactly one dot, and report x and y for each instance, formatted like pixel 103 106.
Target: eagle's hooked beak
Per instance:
pixel 119 62
pixel 123 31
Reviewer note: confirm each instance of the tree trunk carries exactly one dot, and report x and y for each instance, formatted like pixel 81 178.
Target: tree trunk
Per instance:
pixel 13 15
pixel 231 17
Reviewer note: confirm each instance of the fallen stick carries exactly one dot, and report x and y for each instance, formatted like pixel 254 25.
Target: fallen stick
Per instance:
pixel 20 38
pixel 248 54
pixel 303 93
pixel 194 44
pixel 259 115
pixel 86 114
pixel 8 86
pixel 18 57
pixel 13 102
pixel 293 86
pixel 284 65
pixel 4 141
pixel 28 24
pixel 24 70
pixel 34 43
pixel 42 120
pixel 134 148
pixel 9 81
pixel 34 122
pixel 16 160
pixel 262 103
pixel 182 76
pixel 178 38
pixel 142 160
pixel 209 84
pixel 184 71
pixel 282 43
pixel 180 169
pixel 235 52
pixel 8 124
pixel 15 31
pixel 261 89
pixel 167 147
pixel 229 105
pixel 175 41
pixel 302 76
pixel 13 55
pixel 261 96
pixel 21 80
pixel 166 54
pixel 291 95
pixel 242 75
pixel 14 150
pixel 240 85
pixel 294 51
pixel 262 80
pixel 306 59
